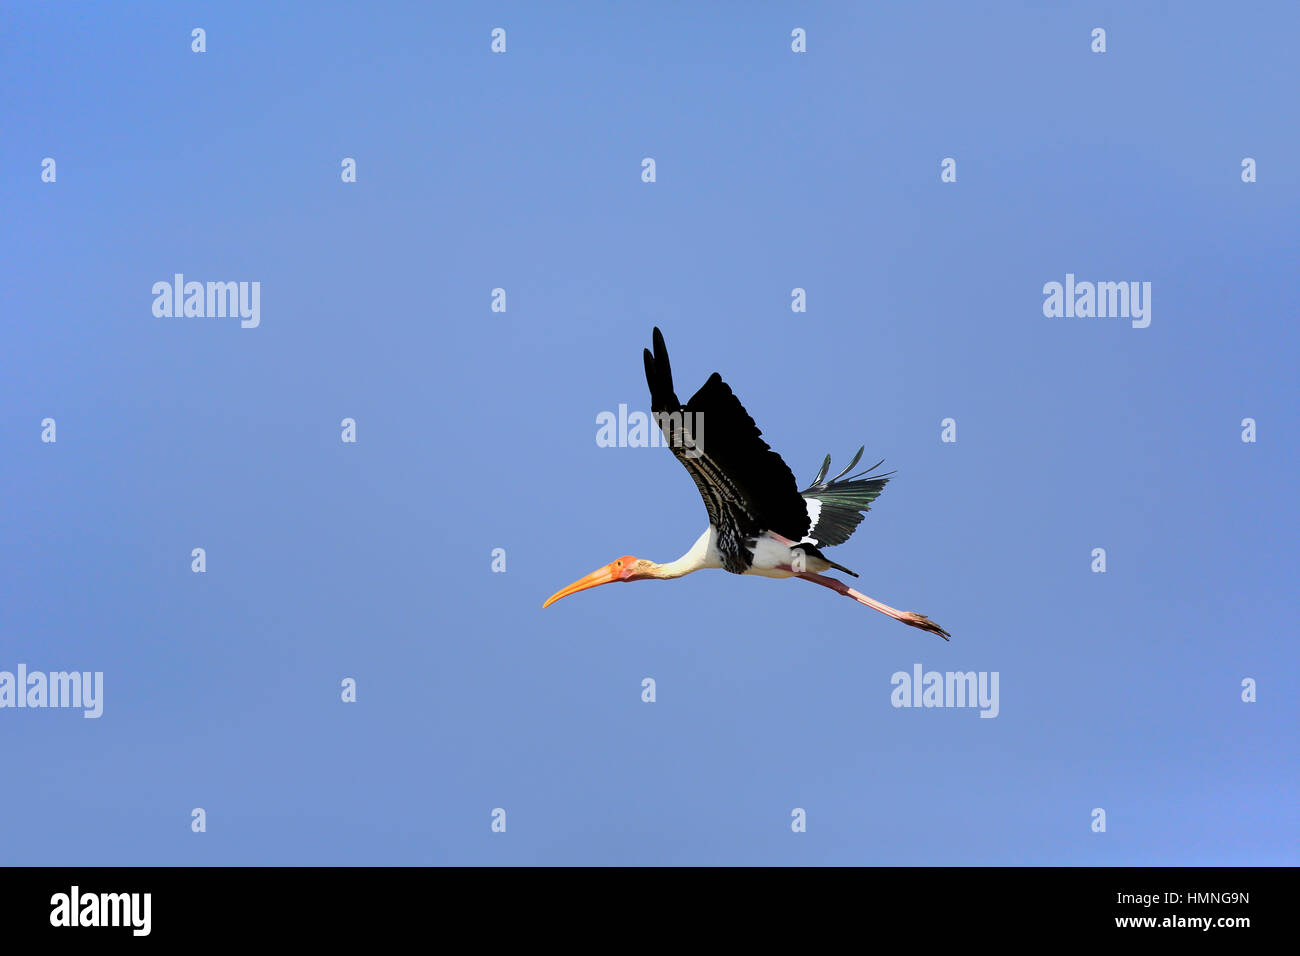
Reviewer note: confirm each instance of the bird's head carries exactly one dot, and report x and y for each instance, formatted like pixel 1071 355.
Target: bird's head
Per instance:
pixel 626 568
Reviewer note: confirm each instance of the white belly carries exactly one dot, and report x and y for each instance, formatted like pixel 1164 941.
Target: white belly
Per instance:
pixel 772 559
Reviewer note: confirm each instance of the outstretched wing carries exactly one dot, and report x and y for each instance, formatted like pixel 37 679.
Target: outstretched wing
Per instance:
pixel 836 508
pixel 746 487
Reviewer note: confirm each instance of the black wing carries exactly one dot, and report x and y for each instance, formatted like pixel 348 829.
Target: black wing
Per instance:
pixel 841 504
pixel 746 487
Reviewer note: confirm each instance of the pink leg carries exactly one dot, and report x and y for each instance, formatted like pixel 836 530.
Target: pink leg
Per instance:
pixel 907 617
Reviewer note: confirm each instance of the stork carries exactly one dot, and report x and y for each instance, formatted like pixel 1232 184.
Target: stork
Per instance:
pixel 759 523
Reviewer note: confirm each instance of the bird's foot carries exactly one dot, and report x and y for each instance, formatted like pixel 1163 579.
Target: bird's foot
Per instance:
pixel 924 623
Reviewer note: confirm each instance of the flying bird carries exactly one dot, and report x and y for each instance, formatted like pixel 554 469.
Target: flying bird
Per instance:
pixel 759 523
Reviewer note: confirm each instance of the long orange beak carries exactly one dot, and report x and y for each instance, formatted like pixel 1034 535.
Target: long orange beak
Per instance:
pixel 606 575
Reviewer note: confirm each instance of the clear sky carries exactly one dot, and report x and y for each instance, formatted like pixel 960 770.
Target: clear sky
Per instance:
pixel 476 430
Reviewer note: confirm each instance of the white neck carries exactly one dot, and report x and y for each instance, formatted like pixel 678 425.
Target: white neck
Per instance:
pixel 703 554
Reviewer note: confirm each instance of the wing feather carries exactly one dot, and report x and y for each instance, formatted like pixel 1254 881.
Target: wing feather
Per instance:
pixel 841 505
pixel 747 488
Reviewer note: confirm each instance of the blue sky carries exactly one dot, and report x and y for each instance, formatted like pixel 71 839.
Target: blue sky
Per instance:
pixel 476 430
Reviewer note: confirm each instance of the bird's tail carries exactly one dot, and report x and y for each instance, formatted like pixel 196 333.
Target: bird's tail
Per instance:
pixel 811 551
